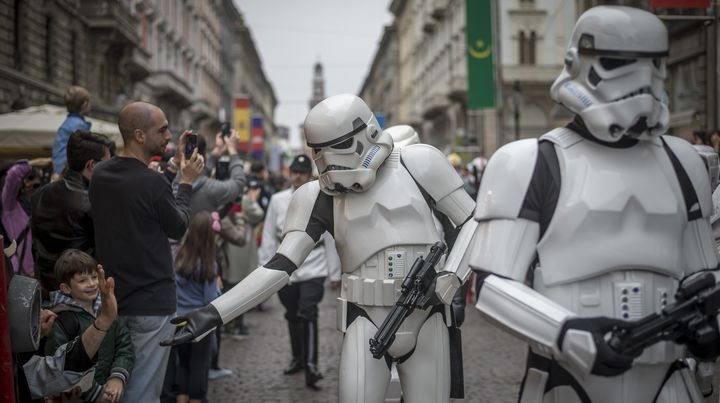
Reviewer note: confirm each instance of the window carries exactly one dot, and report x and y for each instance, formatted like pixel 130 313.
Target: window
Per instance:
pixel 526 47
pixel 74 55
pixel 531 47
pixel 17 59
pixel 49 62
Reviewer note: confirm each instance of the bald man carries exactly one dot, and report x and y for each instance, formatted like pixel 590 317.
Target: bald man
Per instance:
pixel 135 213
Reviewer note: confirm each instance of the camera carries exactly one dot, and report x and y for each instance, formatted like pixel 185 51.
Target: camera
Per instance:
pixel 225 129
pixel 191 142
pixel 254 184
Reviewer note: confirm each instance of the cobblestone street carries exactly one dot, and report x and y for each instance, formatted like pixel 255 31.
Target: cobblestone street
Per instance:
pixel 257 360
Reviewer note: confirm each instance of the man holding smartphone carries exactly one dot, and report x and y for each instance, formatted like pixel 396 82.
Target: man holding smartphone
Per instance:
pixel 211 194
pixel 135 212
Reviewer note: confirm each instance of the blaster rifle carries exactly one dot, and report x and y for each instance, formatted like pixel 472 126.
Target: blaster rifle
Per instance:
pixel 415 293
pixel 688 318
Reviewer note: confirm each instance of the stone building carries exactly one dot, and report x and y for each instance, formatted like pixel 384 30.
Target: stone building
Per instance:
pixel 381 88
pixel 249 77
pixel 188 57
pixel 692 77
pixel 318 86
pixel 420 72
pixel 179 43
pixel 47 46
pixel 533 39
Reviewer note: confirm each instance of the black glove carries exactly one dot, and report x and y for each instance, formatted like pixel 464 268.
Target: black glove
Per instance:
pixel 608 362
pixel 706 343
pixel 193 324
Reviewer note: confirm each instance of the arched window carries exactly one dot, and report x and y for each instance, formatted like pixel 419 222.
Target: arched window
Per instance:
pixel 522 45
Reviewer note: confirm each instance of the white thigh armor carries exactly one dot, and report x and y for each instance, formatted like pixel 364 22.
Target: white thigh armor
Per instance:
pixel 379 234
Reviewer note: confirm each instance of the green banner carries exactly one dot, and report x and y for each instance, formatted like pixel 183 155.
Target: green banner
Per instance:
pixel 481 75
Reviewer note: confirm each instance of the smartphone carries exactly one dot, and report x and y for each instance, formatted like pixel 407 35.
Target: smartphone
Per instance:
pixel 191 142
pixel 222 169
pixel 225 129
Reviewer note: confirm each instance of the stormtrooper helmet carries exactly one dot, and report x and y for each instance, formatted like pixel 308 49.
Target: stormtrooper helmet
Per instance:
pixel 614 72
pixel 347 144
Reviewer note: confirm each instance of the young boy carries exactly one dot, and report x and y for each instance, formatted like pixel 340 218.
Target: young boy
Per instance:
pixel 77 304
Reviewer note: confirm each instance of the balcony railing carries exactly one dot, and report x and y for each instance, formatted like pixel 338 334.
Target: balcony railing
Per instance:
pixel 109 20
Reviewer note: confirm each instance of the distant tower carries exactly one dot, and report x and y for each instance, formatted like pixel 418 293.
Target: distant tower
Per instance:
pixel 318 86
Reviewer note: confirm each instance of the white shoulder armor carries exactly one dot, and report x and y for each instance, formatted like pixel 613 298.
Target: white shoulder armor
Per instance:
pixel 695 168
pixel 301 206
pixel 432 171
pixel 506 180
pixel 296 242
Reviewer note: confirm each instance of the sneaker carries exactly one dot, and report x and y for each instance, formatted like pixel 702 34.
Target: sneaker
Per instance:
pixel 216 373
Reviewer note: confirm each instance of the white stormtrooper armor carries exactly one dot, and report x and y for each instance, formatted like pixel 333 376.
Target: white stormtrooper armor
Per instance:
pixel 596 223
pixel 376 203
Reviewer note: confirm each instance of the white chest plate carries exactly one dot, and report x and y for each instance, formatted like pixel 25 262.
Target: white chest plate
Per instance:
pixel 392 212
pixel 618 209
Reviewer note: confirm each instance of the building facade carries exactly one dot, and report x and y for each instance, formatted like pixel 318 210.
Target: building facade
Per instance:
pixel 48 46
pixel 188 57
pixel 692 76
pixel 381 88
pixel 425 49
pixel 249 78
pixel 429 83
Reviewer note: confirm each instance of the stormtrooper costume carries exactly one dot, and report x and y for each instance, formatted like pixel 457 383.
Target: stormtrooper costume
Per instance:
pixel 596 223
pixel 376 203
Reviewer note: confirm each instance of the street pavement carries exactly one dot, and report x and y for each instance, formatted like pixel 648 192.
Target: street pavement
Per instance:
pixel 493 360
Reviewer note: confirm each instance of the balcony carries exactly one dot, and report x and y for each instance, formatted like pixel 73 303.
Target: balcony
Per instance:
pixel 437 9
pixel 530 73
pixel 109 21
pixel 435 105
pixel 170 86
pixel 201 109
pixel 139 66
pixel 428 24
pixel 458 88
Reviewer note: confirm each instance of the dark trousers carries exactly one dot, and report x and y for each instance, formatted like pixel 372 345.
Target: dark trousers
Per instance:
pixel 191 377
pixel 301 299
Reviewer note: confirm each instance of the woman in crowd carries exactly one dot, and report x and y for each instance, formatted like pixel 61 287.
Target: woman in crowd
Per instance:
pixel 197 285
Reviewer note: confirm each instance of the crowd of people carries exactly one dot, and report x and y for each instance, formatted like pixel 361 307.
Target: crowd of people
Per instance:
pixel 172 226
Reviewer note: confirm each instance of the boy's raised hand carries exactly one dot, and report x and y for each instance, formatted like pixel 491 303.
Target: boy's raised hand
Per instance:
pixel 108 311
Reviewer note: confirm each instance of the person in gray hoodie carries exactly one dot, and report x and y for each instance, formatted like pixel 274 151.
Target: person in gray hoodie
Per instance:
pixel 211 194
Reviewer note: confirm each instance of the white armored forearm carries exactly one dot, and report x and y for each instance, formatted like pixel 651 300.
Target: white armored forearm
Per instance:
pixel 456 264
pixel 524 312
pixel 258 286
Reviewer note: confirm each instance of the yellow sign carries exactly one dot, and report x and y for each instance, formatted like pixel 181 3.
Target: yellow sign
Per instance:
pixel 241 119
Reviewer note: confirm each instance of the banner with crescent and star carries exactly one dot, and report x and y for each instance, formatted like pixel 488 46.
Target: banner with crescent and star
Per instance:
pixel 481 74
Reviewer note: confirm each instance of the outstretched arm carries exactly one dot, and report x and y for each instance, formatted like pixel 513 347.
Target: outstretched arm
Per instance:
pixel 302 231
